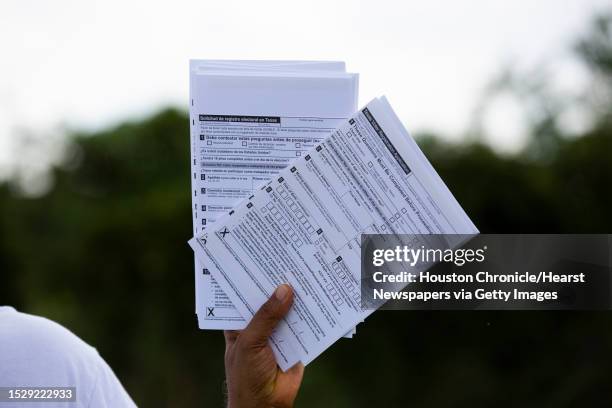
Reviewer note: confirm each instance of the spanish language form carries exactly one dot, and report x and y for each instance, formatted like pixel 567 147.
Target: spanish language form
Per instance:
pixel 303 228
pixel 249 120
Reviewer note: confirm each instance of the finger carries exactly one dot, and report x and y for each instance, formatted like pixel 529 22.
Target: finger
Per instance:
pixel 289 382
pixel 230 336
pixel 267 317
pixel 296 372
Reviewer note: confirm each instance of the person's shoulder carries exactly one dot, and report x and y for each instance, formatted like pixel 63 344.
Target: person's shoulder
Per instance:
pixel 35 351
pixel 22 331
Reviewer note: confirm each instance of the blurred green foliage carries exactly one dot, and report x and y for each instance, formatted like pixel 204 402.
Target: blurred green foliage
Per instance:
pixel 104 253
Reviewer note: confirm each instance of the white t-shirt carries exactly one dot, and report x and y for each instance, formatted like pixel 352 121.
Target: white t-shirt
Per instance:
pixel 36 352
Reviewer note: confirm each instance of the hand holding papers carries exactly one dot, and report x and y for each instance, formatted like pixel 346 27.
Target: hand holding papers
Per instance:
pixel 252 375
pixel 303 228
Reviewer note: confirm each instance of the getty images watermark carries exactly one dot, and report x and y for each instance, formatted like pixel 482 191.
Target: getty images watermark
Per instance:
pixel 37 394
pixel 488 271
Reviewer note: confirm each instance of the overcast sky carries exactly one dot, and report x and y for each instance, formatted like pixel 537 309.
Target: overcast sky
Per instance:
pixel 88 64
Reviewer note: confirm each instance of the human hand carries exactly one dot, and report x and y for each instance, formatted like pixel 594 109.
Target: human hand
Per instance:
pixel 252 375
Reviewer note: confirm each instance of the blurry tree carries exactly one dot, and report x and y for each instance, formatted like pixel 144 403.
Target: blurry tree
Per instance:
pixel 596 51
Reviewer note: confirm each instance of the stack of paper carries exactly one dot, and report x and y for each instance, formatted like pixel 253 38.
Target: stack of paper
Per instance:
pixel 249 120
pixel 303 227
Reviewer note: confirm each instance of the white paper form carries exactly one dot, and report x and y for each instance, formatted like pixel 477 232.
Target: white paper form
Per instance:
pixel 263 65
pixel 246 126
pixel 304 228
pixel 234 65
pixel 230 319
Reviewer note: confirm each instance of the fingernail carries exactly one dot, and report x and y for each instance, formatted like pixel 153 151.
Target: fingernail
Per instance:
pixel 282 292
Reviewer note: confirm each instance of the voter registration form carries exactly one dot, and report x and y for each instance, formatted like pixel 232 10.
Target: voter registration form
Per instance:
pixel 249 119
pixel 304 227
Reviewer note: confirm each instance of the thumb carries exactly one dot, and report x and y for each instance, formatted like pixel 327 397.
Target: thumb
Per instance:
pixel 267 317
